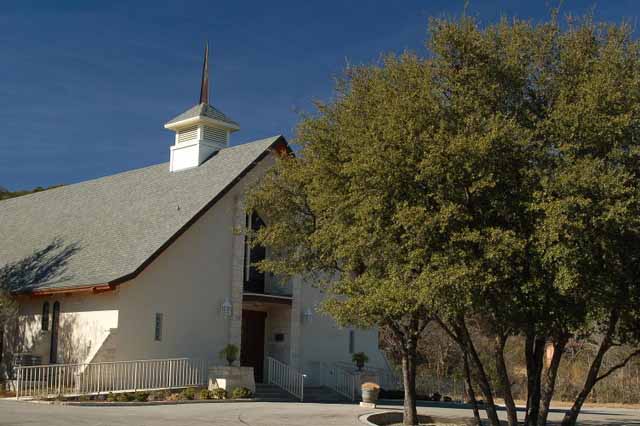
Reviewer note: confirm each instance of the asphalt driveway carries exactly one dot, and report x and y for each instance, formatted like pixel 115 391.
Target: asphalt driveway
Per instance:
pixel 245 414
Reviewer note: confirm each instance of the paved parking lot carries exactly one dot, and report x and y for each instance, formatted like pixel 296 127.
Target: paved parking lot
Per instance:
pixel 243 413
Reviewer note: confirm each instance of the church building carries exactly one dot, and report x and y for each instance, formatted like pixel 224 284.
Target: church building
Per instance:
pixel 148 264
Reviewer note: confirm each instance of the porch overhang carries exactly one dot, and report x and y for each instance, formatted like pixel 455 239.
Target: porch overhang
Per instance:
pixel 267 298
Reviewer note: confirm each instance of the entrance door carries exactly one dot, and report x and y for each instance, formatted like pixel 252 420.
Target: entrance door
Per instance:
pixel 252 352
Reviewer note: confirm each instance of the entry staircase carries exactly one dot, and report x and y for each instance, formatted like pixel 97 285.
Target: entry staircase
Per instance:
pixel 338 383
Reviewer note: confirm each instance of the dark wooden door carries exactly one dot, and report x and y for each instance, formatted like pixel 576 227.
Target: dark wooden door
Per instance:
pixel 55 325
pixel 252 352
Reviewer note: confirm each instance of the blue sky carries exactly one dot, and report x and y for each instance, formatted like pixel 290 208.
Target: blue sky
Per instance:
pixel 85 87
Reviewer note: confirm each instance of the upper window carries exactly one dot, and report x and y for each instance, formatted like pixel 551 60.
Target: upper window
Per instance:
pixel 352 341
pixel 253 278
pixel 45 316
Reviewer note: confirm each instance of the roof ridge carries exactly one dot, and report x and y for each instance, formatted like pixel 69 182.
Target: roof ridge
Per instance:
pixel 126 172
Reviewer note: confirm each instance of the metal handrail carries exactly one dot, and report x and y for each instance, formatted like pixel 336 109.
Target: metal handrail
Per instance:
pixel 46 381
pixel 340 380
pixel 285 377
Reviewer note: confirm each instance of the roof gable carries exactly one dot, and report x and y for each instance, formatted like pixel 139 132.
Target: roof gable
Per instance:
pixel 107 230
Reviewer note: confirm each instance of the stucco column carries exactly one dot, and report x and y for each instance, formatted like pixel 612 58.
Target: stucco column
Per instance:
pixel 296 318
pixel 237 274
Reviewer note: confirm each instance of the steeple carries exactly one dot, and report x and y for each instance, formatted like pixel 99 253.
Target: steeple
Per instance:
pixel 204 83
pixel 201 131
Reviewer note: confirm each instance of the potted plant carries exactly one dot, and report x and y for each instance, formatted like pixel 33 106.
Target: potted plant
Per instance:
pixel 360 358
pixel 370 392
pixel 230 353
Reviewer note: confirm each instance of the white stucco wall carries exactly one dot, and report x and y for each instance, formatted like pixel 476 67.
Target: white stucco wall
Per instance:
pixel 85 321
pixel 188 284
pixel 323 341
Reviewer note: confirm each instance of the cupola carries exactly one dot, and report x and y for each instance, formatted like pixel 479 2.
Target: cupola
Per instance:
pixel 201 131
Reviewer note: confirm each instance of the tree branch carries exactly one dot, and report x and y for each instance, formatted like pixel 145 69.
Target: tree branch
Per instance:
pixel 619 365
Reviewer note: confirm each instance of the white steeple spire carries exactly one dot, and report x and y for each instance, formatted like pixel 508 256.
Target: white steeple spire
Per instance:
pixel 201 130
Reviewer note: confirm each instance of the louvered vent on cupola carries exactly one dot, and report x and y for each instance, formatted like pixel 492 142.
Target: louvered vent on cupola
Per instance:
pixel 215 135
pixel 187 135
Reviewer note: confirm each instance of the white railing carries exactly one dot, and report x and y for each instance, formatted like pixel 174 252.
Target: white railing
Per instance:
pixel 285 377
pixel 385 377
pixel 340 380
pixel 46 381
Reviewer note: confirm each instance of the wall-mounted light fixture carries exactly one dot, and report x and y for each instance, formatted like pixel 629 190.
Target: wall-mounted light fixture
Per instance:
pixel 227 309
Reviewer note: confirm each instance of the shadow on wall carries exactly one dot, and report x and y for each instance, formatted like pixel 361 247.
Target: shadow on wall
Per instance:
pixel 47 265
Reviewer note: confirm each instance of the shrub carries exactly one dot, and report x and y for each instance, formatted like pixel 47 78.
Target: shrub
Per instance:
pixel 370 386
pixel 229 353
pixel 160 395
pixel 188 394
pixel 111 397
pixel 84 398
pixel 175 397
pixel 219 393
pixel 360 359
pixel 205 394
pixel 436 397
pixel 125 397
pixel 141 396
pixel 238 393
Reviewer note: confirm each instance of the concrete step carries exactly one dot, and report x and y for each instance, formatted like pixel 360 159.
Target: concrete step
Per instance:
pixel 323 394
pixel 318 394
pixel 272 393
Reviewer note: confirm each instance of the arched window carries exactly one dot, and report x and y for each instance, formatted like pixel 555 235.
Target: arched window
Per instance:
pixel 45 316
pixel 253 277
pixel 55 322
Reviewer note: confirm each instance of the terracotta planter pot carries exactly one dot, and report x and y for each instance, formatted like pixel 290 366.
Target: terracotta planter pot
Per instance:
pixel 370 396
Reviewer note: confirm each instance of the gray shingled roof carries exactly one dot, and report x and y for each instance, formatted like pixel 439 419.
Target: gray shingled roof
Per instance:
pixel 99 231
pixel 203 110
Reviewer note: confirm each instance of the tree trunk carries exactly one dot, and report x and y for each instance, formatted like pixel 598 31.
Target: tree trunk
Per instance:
pixel 534 353
pixel 550 379
pixel 409 378
pixel 470 391
pixel 503 377
pixel 571 416
pixel 481 376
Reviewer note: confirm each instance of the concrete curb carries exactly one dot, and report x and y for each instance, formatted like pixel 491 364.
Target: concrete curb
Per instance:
pixel 151 403
pixel 133 403
pixel 392 417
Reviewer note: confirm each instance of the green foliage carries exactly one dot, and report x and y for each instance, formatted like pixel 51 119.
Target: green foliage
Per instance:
pixel 6 194
pixel 159 395
pixel 241 392
pixel 111 397
pixel 188 394
pixel 229 353
pixel 218 393
pixel 125 397
pixel 360 359
pixel 205 394
pixel 141 396
pixel 494 182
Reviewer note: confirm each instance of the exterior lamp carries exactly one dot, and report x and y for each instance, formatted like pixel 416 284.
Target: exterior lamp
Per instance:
pixel 307 316
pixel 227 309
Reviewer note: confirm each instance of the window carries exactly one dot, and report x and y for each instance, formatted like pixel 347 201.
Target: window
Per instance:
pixel 352 341
pixel 55 323
pixel 45 316
pixel 253 278
pixel 158 335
